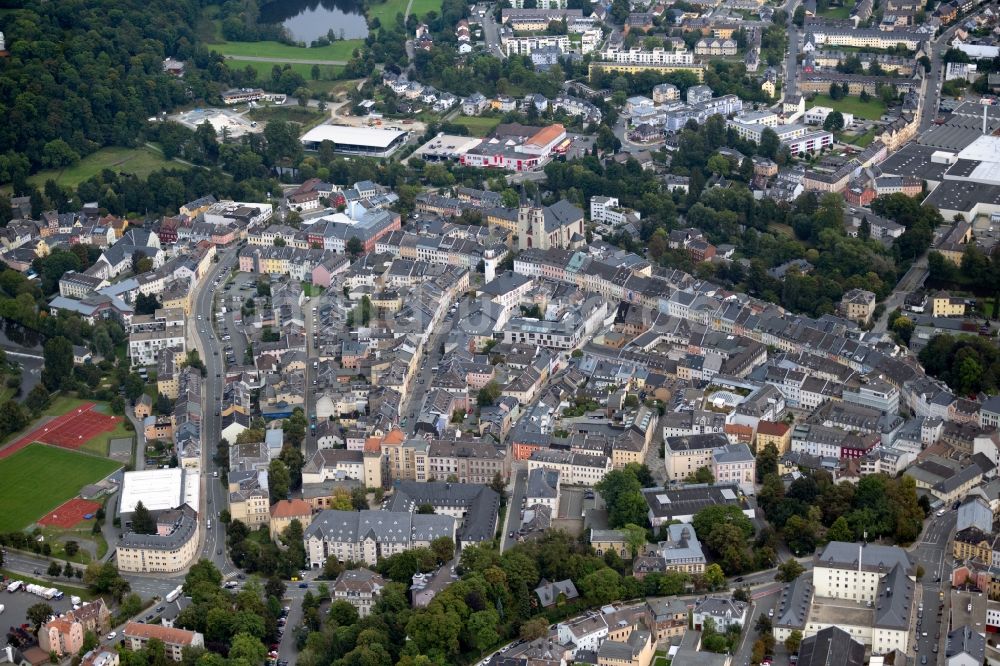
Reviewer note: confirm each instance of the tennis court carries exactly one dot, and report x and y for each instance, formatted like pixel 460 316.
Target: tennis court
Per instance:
pixel 69 513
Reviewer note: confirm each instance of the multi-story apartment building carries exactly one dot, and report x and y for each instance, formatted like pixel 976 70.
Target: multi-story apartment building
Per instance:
pixel 285 511
pixel 366 536
pixel 358 587
pixel 875 393
pixel 858 304
pixel 138 634
pixel 575 469
pixel 735 463
pixel 249 499
pixel 149 334
pixel 774 432
pixel 638 56
pixel 469 461
pixel 872 38
pixel 683 456
pixel 173 548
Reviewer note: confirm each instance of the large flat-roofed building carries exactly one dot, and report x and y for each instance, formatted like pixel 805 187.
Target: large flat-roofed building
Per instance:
pixel 681 503
pixel 157 489
pixel 516 147
pixel 369 141
pixel 446 147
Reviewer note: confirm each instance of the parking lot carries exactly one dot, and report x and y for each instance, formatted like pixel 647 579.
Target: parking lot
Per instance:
pixel 232 296
pixel 16 604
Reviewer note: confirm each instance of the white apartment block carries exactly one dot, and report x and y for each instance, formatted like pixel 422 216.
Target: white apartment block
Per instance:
pixel 540 4
pixel 525 45
pixel 608 211
pixel 151 333
pixel 817 116
pixel 658 56
pixel 575 469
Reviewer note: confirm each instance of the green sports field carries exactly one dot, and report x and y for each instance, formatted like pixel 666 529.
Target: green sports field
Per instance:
pixel 39 478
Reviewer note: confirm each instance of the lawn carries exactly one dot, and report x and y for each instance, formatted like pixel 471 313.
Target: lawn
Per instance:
pixel 99 445
pixel 840 12
pixel 140 161
pixel 783 229
pixel 386 12
pixel 836 13
pixel 478 125
pixel 311 290
pixel 63 404
pixel 292 114
pixel 862 141
pixel 39 478
pixel 870 110
pixel 57 537
pixel 333 88
pixel 263 69
pixel 339 50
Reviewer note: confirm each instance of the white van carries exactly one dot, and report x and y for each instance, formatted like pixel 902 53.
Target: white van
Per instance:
pixel 208 524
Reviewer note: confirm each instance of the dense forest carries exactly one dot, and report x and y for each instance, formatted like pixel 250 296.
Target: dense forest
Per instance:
pixel 83 74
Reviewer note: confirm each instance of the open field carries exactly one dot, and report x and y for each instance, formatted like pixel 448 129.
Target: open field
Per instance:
pixel 870 110
pixel 291 114
pixel 264 68
pixel 478 125
pixel 386 12
pixel 339 50
pixel 39 478
pixel 140 161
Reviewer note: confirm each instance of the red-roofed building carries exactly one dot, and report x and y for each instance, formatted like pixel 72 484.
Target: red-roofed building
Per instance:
pixel 738 433
pixel 137 635
pixel 774 432
pixel 285 511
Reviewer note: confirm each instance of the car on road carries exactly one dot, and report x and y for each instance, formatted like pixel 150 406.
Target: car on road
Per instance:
pixel 150 617
pixel 303 585
pixel 160 609
pixel 112 636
